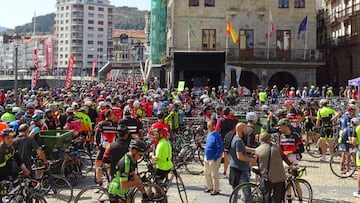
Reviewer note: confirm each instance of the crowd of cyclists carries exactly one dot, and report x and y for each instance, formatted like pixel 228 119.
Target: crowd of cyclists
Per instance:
pixel 111 118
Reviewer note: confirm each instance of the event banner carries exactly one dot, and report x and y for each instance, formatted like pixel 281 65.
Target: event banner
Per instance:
pixel 93 70
pixel 69 71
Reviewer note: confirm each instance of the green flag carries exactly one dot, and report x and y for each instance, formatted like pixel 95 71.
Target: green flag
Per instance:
pixel 190 29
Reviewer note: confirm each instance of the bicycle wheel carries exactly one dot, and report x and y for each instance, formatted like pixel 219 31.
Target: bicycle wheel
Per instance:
pixel 154 192
pixel 56 188
pixel 342 164
pixel 181 189
pixel 92 194
pixel 86 161
pixel 194 162
pixel 246 192
pixel 300 192
pixel 313 149
pixel 70 171
pixel 35 198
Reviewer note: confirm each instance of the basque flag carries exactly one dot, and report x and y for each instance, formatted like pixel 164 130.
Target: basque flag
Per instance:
pixel 302 26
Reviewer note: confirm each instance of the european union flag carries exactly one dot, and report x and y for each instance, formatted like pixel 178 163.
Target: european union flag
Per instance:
pixel 302 26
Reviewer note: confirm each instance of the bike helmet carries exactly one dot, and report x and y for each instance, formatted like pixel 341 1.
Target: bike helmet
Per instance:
pixel 251 117
pixel 350 107
pixel 228 111
pixel 7 132
pixel 8 107
pixel 280 112
pixel 323 102
pixel 288 102
pixel 284 121
pixel 139 145
pixel 136 104
pixel 159 130
pixel 207 100
pixel 123 130
pixel 36 117
pixel 160 114
pixel 70 110
pixel 265 108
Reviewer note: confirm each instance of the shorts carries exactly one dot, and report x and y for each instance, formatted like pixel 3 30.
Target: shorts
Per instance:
pixel 100 154
pixel 116 199
pixel 326 134
pixel 160 175
pixel 345 146
pixel 309 127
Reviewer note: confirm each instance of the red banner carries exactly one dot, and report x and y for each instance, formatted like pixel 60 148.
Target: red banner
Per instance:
pixel 93 70
pixel 48 51
pixel 109 75
pixel 35 73
pixel 69 71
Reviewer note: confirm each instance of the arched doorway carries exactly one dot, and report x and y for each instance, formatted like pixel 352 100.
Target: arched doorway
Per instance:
pixel 280 79
pixel 249 79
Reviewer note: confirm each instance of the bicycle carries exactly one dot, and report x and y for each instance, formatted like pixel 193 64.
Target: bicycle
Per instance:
pixel 20 190
pixel 343 163
pixel 52 186
pixel 157 192
pixel 292 194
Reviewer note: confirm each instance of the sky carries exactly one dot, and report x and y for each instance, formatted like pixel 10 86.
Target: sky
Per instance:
pixel 19 12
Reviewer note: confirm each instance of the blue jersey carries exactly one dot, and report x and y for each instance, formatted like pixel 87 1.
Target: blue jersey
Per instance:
pixel 345 121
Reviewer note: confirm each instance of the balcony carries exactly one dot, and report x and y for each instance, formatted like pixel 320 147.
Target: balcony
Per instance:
pixel 348 39
pixel 342 14
pixel 263 54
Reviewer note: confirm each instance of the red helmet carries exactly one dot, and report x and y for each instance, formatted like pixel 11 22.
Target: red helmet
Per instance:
pixel 351 107
pixel 160 130
pixel 288 102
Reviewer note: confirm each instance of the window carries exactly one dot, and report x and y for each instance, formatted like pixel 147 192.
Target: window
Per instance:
pixel 283 3
pixel 90 42
pixel 91 8
pixel 90 22
pixel 299 3
pixel 100 9
pixel 91 15
pixel 246 39
pixel 193 2
pixel 100 22
pixel 208 39
pixel 210 3
pixel 283 39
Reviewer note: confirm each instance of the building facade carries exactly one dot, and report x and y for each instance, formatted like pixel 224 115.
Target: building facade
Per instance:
pixel 83 28
pixel 270 51
pixel 340 20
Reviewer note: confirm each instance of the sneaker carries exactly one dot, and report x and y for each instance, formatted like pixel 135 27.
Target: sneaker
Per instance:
pixel 356 194
pixel 323 159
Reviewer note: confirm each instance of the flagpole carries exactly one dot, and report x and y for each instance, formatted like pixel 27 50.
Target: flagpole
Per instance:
pixel 305 47
pixel 268 37
pixel 226 40
pixel 188 35
pixel 33 72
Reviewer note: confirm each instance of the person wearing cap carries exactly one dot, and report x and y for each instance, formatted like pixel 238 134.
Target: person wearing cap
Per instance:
pixel 131 123
pixel 86 126
pixel 70 117
pixel 25 146
pixel 272 120
pixel 324 120
pixel 105 133
pixel 162 156
pixel 295 116
pixel 290 141
pixel 9 156
pixel 224 125
pixel 50 119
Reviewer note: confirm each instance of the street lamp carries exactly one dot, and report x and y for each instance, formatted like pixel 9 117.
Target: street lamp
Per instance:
pixel 15 37
pixel 133 52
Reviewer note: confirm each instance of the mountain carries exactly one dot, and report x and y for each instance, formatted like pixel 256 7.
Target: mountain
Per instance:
pixel 2 29
pixel 124 18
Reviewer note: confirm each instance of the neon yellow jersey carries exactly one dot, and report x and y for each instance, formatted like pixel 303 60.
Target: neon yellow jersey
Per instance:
pixel 262 96
pixel 164 154
pixel 357 136
pixel 325 112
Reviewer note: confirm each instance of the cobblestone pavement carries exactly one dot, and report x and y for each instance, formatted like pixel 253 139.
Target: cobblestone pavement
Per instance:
pixel 327 188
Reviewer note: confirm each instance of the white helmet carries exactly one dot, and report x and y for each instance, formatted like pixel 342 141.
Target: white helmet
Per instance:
pixel 206 100
pixel 136 104
pixel 323 102
pixel 251 116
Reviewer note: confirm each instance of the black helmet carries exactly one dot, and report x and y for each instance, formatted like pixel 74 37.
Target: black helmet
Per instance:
pixel 160 114
pixel 123 130
pixel 6 132
pixel 139 145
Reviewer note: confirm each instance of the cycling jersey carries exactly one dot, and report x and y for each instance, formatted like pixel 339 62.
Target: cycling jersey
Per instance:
pixel 292 143
pixel 114 152
pixel 105 132
pixel 164 154
pixel 7 158
pixel 125 170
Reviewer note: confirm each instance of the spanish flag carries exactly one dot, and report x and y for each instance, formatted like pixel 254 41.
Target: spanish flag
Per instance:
pixel 231 31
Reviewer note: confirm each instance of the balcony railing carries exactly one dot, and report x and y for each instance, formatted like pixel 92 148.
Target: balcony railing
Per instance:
pixel 342 13
pixel 263 54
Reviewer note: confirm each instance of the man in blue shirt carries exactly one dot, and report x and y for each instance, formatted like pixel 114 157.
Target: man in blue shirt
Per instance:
pixel 239 162
pixel 213 152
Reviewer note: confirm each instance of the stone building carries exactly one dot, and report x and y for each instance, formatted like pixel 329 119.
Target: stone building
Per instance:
pixel 199 27
pixel 340 28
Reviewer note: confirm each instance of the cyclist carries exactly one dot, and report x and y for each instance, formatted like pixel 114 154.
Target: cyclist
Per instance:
pixel 125 176
pixel 8 116
pixel 116 150
pixel 162 156
pixel 105 133
pixel 8 156
pixel 249 137
pixel 356 143
pixel 294 115
pixel 131 123
pixel 160 124
pixel 325 118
